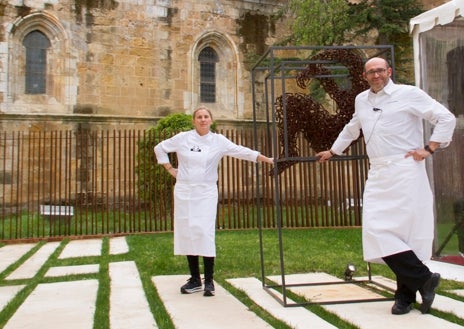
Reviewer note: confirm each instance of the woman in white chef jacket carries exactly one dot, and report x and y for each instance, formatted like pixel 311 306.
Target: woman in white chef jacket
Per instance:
pixel 195 193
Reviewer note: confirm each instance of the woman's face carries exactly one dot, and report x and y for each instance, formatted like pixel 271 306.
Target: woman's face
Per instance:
pixel 202 121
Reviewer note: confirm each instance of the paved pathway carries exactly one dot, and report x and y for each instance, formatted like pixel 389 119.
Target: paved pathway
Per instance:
pixel 72 304
pixel 128 306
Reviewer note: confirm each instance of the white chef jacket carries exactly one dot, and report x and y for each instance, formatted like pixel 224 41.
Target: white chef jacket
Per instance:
pixel 398 201
pixel 195 192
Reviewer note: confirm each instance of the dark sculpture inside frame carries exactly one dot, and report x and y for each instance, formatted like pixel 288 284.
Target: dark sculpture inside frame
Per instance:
pixel 307 115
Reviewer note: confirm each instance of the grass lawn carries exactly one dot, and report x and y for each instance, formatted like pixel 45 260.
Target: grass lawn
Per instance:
pixel 445 231
pixel 238 255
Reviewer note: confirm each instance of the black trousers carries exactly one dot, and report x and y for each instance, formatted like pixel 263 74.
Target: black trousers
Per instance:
pixel 194 266
pixel 411 274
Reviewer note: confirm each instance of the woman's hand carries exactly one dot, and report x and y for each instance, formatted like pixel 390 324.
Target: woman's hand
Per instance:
pixel 171 170
pixel 324 155
pixel 263 158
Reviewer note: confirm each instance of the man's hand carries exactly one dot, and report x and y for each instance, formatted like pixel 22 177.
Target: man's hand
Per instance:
pixel 418 154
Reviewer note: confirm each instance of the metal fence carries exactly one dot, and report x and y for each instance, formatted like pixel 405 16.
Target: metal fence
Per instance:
pixel 90 183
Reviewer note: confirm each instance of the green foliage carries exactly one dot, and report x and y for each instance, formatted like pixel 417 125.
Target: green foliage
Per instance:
pixel 174 123
pixel 319 22
pixel 338 22
pixel 390 18
pixel 153 181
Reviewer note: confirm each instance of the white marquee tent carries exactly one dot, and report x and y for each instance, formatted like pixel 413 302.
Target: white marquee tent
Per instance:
pixel 438 36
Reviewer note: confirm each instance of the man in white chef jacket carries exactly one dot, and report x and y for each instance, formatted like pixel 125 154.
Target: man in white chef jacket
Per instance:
pixel 398 202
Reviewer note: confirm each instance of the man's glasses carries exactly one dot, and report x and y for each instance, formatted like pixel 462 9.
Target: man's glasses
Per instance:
pixel 378 71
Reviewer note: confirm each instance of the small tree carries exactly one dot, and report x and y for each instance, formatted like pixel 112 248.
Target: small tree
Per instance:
pixel 319 22
pixel 390 18
pixel 338 22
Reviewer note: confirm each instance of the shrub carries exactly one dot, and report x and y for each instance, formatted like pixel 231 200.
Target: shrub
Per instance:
pixel 153 181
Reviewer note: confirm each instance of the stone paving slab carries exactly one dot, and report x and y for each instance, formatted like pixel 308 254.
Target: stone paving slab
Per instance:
pixel 82 248
pixel 30 267
pixel 325 292
pixel 69 305
pixel 448 271
pixel 72 270
pixel 129 307
pixel 459 292
pixel 118 246
pixel 441 303
pixel 448 305
pixel 194 311
pixel 295 317
pixel 10 254
pixel 7 293
pixel 376 315
pixel 92 247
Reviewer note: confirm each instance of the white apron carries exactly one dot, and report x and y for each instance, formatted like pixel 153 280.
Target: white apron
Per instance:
pixel 195 219
pixel 397 209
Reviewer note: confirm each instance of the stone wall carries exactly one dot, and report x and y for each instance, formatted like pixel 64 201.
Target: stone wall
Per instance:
pixel 134 58
pixel 133 61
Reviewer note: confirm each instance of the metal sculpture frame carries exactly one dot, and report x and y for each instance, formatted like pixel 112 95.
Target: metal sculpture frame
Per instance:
pixel 275 68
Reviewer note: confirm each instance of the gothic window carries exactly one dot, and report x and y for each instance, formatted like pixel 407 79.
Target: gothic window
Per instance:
pixel 208 59
pixel 36 45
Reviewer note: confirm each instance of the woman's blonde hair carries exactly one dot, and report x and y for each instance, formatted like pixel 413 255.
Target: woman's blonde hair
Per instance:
pixel 202 108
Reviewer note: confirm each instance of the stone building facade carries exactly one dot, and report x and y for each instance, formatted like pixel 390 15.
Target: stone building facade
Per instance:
pixel 130 60
pixel 109 62
pixel 94 65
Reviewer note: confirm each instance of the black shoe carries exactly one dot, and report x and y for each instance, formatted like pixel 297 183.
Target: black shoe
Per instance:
pixel 428 292
pixel 401 307
pixel 192 285
pixel 209 288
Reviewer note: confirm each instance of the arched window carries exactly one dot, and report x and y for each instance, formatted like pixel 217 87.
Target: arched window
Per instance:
pixel 208 59
pixel 36 44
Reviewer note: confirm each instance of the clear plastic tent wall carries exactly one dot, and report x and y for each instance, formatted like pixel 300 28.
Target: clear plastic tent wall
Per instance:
pixel 438 36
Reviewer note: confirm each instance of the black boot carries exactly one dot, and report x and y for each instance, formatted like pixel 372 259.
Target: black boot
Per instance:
pixel 209 271
pixel 194 283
